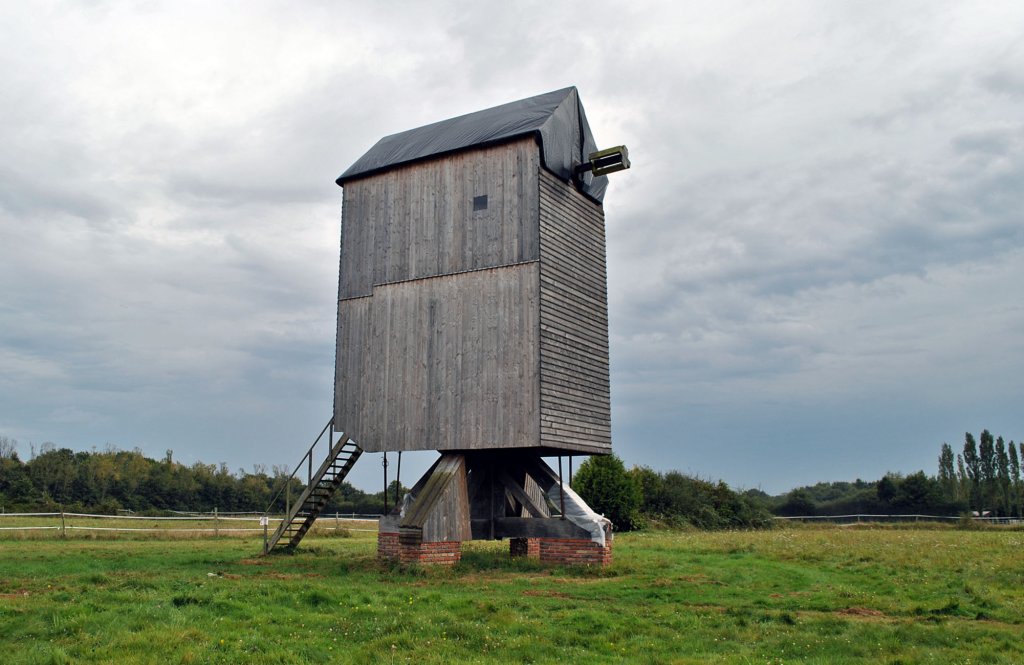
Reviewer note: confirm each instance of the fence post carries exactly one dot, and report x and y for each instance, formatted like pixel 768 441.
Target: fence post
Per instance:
pixel 63 529
pixel 216 524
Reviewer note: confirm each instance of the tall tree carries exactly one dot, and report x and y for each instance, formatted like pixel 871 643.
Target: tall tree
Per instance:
pixel 947 476
pixel 963 483
pixel 886 489
pixel 1018 479
pixel 987 459
pixel 1002 477
pixel 1015 494
pixel 8 447
pixel 973 465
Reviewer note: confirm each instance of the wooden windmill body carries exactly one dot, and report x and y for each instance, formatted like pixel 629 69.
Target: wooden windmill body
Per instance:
pixel 472 320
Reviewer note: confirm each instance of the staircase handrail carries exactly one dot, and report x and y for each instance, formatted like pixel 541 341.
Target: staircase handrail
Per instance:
pixel 308 458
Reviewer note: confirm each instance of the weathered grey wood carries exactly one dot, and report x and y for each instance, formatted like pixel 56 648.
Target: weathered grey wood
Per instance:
pixel 450 518
pixel 483 328
pixel 437 479
pixel 534 491
pixel 417 489
pixel 440 511
pixel 542 474
pixel 447 508
pixel 575 392
pixel 443 363
pixel 534 527
pixel 418 220
pixel 352 368
pixel 537 509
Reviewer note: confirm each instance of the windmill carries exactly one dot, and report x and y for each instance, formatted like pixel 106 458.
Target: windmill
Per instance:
pixel 472 320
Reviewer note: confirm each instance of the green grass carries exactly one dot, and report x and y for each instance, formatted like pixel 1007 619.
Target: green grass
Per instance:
pixel 818 595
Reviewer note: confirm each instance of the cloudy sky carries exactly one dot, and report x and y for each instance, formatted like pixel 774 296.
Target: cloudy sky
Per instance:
pixel 815 264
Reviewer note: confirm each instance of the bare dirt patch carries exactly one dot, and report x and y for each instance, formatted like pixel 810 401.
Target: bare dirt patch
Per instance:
pixel 545 593
pixel 862 612
pixel 255 562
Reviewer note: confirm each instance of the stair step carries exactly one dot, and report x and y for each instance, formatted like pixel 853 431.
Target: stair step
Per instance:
pixel 329 479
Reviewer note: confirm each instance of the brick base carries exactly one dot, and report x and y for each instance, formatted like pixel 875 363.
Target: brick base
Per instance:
pixel 528 547
pixel 563 551
pixel 439 554
pixel 387 546
pixel 575 551
pixel 442 554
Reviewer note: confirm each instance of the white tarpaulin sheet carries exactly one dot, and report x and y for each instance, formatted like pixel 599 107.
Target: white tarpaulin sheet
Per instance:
pixel 579 513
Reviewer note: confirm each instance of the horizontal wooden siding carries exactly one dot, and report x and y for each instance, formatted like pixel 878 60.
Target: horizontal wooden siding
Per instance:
pixel 575 402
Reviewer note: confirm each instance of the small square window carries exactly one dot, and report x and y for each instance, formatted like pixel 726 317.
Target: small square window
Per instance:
pixel 479 203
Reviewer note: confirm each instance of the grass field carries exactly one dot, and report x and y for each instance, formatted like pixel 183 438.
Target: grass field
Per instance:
pixel 811 595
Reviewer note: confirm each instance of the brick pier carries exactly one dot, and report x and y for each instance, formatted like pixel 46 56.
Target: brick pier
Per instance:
pixel 390 547
pixel 575 551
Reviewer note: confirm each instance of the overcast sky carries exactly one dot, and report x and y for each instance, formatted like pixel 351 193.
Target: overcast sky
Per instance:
pixel 815 263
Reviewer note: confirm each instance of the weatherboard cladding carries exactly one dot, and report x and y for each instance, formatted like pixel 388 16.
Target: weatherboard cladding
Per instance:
pixel 574 374
pixel 469 325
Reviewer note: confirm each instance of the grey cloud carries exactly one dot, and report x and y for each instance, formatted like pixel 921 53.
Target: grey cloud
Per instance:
pixel 988 142
pixel 1006 81
pixel 820 197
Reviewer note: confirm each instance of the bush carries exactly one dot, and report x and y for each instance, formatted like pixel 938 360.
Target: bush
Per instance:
pixel 798 503
pixel 606 486
pixel 675 499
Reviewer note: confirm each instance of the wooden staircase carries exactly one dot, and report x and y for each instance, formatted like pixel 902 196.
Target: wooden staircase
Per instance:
pixel 320 487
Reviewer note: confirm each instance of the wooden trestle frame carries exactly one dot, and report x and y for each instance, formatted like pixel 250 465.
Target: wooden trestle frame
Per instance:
pixel 482 495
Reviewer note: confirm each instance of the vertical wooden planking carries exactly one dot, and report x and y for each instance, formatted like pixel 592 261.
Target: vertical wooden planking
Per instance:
pixel 418 220
pixel 352 379
pixel 456 357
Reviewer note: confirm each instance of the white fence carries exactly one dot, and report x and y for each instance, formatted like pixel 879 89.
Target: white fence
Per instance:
pixel 861 518
pixel 197 524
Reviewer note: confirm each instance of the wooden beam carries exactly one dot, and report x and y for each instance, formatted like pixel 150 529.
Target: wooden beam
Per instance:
pixel 536 510
pixel 541 473
pixel 536 527
pixel 441 476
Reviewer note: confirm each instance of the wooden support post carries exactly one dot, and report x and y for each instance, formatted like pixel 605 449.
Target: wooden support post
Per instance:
pixel 216 523
pixel 561 489
pixel 493 496
pixel 398 479
pixel 385 465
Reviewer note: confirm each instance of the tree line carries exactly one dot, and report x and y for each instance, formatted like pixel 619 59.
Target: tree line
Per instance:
pixel 643 497
pixel 983 479
pixel 986 477
pixel 113 480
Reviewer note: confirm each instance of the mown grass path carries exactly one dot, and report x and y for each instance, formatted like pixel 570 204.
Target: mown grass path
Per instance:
pixel 792 595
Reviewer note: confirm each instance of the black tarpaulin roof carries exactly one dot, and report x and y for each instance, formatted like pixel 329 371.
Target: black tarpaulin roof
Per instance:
pixel 556 118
